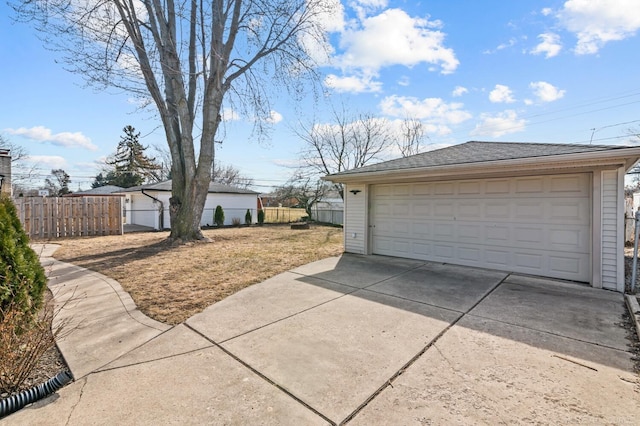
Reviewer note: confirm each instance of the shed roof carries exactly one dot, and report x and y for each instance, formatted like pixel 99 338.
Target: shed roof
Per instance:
pixel 213 188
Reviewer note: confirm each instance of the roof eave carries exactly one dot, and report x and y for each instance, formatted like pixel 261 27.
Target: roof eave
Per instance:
pixel 626 158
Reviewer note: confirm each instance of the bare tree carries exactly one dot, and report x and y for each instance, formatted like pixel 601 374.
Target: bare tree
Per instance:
pixel 413 134
pixel 58 183
pixel 304 188
pixel 188 58
pixel 347 143
pixel 229 175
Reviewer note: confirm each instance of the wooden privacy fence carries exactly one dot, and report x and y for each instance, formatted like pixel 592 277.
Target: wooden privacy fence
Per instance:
pixel 55 217
pixel 283 214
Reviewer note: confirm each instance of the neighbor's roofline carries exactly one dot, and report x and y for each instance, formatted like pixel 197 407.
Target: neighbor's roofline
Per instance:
pixel 616 156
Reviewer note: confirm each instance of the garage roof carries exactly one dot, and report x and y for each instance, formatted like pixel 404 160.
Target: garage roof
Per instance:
pixel 213 188
pixel 489 154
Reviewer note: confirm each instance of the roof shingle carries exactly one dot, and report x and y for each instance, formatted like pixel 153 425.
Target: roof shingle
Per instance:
pixel 477 152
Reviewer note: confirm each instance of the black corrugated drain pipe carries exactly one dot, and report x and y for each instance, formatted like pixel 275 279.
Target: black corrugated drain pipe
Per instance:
pixel 15 402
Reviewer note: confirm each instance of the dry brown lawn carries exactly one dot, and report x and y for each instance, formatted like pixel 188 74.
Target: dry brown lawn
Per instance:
pixel 171 283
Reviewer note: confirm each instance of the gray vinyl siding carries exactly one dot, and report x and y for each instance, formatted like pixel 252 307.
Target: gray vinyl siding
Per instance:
pixel 355 220
pixel 610 238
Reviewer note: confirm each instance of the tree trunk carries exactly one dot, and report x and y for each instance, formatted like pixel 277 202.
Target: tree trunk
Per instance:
pixel 185 209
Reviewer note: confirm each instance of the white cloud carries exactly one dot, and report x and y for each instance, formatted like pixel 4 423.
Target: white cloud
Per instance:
pixel 364 7
pixel 546 92
pixel 64 139
pixel 459 91
pixel 512 42
pixel 404 81
pixel 550 45
pixel 395 38
pixel 330 20
pixel 597 22
pixel 49 161
pixel 436 114
pixel 353 84
pixel 501 94
pixel 496 125
pixel 373 4
pixel 274 117
pixel 546 11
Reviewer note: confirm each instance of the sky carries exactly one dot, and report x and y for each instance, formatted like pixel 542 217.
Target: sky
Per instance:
pixel 492 70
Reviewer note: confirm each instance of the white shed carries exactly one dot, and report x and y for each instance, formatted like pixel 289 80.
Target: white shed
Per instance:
pixel 553 210
pixel 148 205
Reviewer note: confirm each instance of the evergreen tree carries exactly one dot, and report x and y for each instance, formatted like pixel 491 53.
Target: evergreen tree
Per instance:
pixel 131 166
pixel 22 278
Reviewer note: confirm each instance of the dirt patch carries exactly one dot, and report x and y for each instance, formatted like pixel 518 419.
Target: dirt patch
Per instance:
pixel 172 283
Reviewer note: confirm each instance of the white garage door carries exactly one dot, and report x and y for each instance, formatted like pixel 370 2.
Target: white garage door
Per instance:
pixel 537 225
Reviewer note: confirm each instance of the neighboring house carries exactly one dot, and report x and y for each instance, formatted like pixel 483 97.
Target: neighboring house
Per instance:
pixel 273 200
pixel 635 204
pixel 329 209
pixel 107 190
pixel 148 205
pixel 5 171
pixel 553 210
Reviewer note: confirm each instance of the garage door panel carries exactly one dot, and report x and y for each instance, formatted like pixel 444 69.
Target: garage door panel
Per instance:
pixel 526 211
pixel 470 254
pixel 421 189
pixel 537 225
pixel 401 190
pixel 563 264
pixel 421 209
pixel 444 188
pixel 497 209
pixel 443 231
pixel 401 209
pixel 471 233
pixel 443 209
pixel 498 186
pixel 392 245
pixel 572 184
pixel 443 252
pixel 571 211
pixel 529 186
pixel 471 210
pixel 469 188
pixel 530 236
pixel 497 234
pixel 497 258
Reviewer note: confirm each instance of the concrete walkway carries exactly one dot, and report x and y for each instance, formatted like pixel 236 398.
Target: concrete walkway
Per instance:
pixel 358 340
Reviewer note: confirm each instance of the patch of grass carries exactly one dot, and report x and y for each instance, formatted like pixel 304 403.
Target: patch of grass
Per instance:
pixel 172 283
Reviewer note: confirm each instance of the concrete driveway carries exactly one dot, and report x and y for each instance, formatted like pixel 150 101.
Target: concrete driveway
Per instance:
pixel 361 340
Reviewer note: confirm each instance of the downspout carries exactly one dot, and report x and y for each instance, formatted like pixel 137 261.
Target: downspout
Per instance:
pixel 161 208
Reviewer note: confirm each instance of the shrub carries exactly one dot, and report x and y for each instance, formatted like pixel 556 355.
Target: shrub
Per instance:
pixel 23 341
pixel 218 216
pixel 260 217
pixel 247 218
pixel 22 278
pixel 235 221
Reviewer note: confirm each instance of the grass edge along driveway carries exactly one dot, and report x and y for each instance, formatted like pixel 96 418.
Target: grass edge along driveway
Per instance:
pixel 171 283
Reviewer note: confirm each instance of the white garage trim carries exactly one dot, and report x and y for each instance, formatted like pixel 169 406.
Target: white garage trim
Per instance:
pixel 537 225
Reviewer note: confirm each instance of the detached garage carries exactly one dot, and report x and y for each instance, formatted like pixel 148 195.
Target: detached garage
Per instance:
pixel 543 209
pixel 148 205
